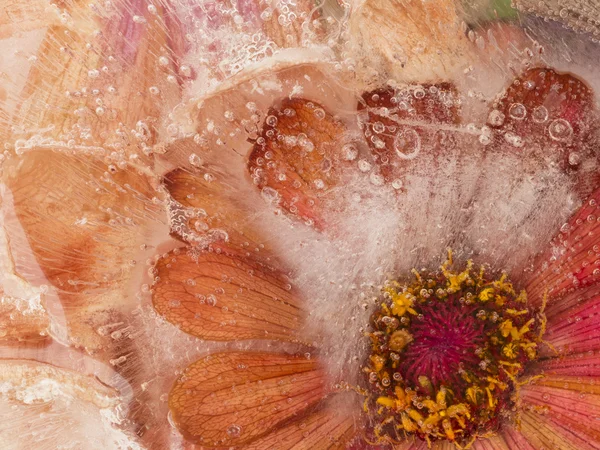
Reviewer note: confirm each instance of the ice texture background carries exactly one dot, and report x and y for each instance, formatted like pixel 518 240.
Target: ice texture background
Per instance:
pixel 94 371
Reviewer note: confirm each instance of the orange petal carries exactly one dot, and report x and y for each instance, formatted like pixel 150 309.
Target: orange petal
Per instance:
pixel 572 260
pixel 326 428
pixel 403 121
pixel 230 399
pixel 221 296
pixel 85 226
pixel 227 122
pixel 221 214
pixel 296 159
pixel 409 41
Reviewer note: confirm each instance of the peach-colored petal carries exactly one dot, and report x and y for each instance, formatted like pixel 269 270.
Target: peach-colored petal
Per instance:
pixel 222 296
pixel 229 399
pixel 408 40
pixel 43 406
pixel 514 439
pixel 17 17
pixel 403 121
pixel 572 260
pixel 84 221
pixel 297 157
pixel 562 410
pixel 326 429
pixel 222 214
pixel 97 78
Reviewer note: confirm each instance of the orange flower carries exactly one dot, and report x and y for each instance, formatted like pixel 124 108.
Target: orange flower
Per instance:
pixel 254 174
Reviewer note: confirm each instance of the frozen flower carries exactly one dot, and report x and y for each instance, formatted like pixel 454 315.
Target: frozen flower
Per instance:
pixel 235 215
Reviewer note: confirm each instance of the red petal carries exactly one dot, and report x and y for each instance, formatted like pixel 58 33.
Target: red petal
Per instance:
pixel 220 296
pixel 572 260
pixel 400 122
pixel 548 110
pixel 296 159
pixel 232 398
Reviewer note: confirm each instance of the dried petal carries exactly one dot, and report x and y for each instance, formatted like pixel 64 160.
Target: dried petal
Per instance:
pixel 96 77
pixel 296 159
pixel 232 398
pixel 221 296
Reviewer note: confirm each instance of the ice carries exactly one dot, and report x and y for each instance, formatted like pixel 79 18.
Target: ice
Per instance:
pixel 87 362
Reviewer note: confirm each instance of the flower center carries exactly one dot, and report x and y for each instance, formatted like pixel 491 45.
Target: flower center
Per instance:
pixel 447 352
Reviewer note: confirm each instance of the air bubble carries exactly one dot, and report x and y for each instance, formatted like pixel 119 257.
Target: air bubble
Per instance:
pixel 560 130
pixel 540 114
pixel 195 160
pixel 234 431
pixel 496 118
pixel 517 111
pixel 350 152
pixel 407 144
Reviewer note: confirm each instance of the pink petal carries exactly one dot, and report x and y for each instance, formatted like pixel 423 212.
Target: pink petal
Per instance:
pixel 573 321
pixel 576 365
pixel 554 431
pixel 562 412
